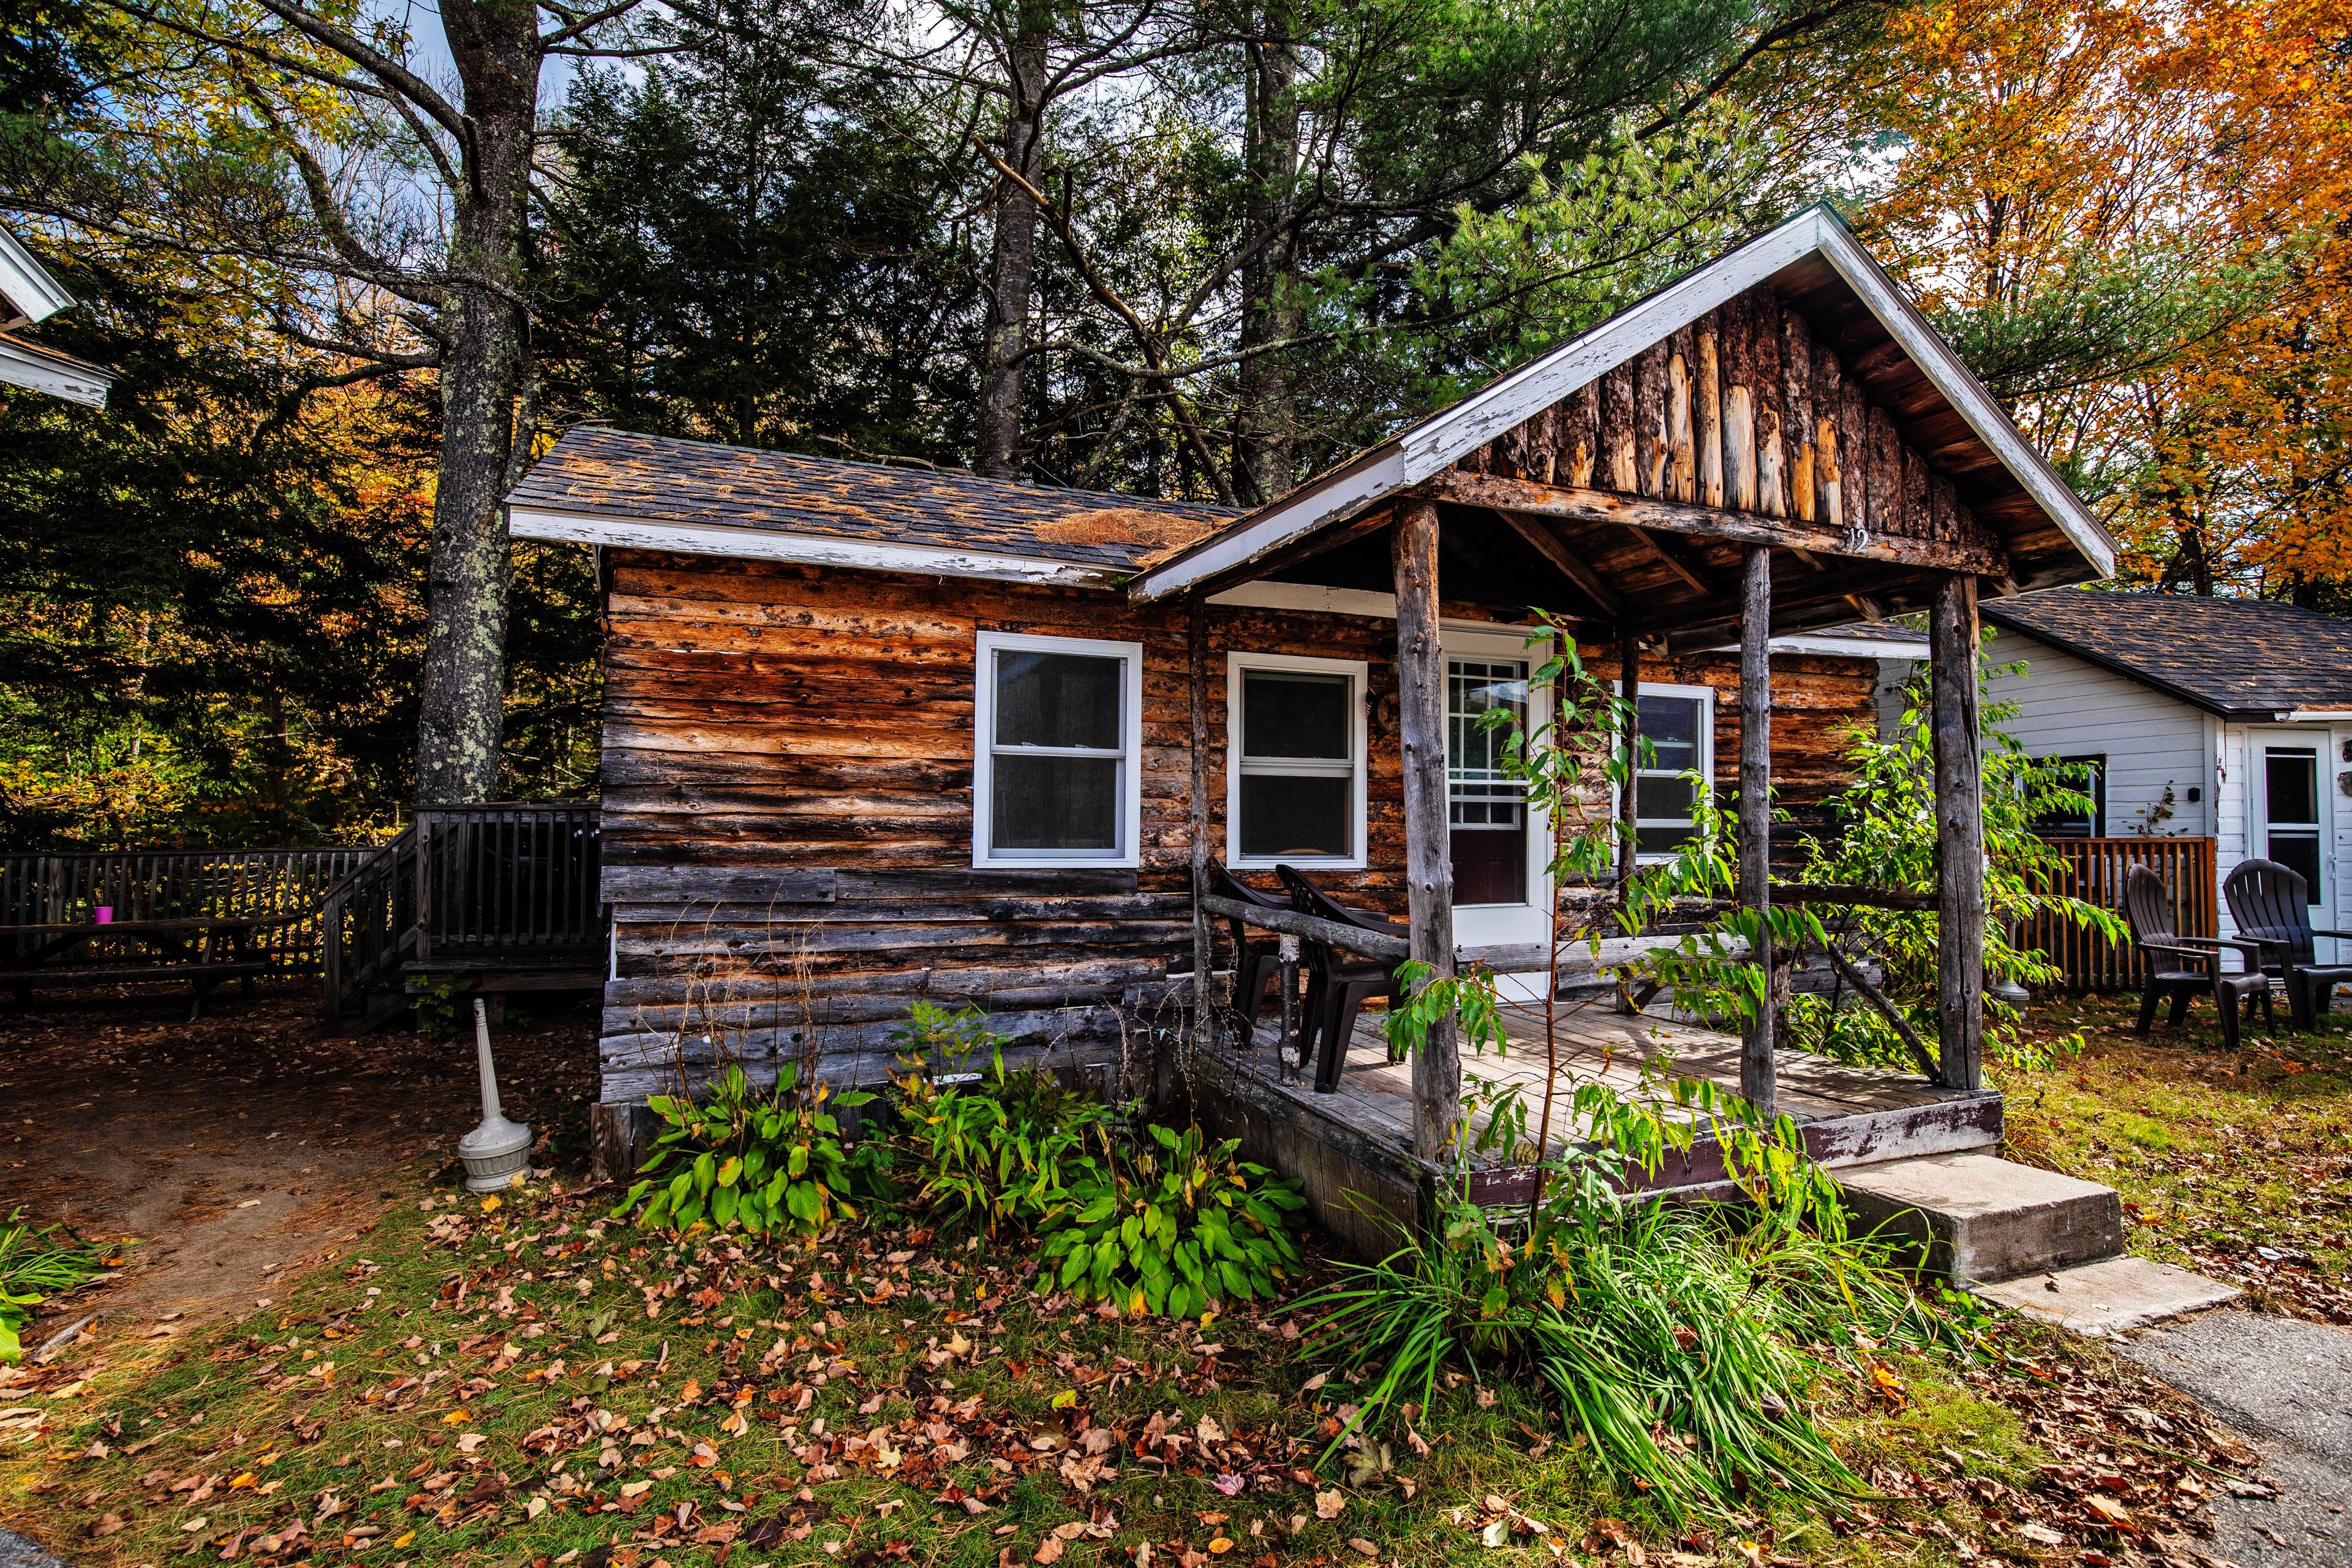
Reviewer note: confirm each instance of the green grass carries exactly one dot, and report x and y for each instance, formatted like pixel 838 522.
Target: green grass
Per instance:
pixel 985 1393
pixel 2219 1155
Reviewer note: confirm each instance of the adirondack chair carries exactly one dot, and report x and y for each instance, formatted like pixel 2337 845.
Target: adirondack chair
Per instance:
pixel 1256 960
pixel 1339 983
pixel 2149 909
pixel 2271 905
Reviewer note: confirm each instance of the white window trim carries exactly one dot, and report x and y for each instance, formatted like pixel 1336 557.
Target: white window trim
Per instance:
pixel 1356 673
pixel 1705 769
pixel 986 646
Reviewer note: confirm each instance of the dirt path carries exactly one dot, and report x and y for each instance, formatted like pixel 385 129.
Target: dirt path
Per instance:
pixel 248 1141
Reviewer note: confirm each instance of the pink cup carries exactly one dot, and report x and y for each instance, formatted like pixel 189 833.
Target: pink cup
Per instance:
pixel 103 914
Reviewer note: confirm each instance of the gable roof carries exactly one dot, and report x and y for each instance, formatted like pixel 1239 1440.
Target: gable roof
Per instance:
pixel 27 292
pixel 601 486
pixel 1813 254
pixel 24 363
pixel 2241 659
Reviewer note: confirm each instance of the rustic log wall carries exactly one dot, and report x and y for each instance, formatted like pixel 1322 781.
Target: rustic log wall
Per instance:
pixel 1742 408
pixel 787 810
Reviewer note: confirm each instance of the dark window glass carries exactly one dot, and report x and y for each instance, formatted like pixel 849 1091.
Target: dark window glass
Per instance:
pixel 2292 788
pixel 1055 803
pixel 1285 814
pixel 1671 726
pixel 2299 852
pixel 2093 782
pixel 1290 713
pixel 1662 797
pixel 1662 840
pixel 1058 699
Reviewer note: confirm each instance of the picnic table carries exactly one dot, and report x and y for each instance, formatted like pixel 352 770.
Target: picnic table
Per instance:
pixel 202 949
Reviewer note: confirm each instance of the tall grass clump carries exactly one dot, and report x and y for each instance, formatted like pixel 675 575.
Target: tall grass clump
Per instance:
pixel 34 1264
pixel 1683 1341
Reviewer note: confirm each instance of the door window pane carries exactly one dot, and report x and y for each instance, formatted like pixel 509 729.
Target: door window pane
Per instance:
pixel 1049 802
pixel 1485 808
pixel 2299 852
pixel 2291 788
pixel 1293 713
pixel 1295 815
pixel 1058 699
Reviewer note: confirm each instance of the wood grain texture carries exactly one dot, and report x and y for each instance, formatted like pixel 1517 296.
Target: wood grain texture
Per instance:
pixel 1682 440
pixel 1797 403
pixel 1757 1083
pixel 1429 866
pixel 1771 403
pixel 1708 393
pixel 1959 826
pixel 758 752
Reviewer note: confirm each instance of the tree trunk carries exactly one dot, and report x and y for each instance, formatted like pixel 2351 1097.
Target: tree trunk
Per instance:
pixel 1429 866
pixel 1758 1071
pixel 495 52
pixel 1013 269
pixel 1265 442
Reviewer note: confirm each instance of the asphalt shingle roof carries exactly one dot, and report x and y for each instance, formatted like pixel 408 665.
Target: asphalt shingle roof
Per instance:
pixel 2242 659
pixel 594 470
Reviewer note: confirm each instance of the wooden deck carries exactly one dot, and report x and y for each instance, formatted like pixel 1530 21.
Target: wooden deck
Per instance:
pixel 1351 1149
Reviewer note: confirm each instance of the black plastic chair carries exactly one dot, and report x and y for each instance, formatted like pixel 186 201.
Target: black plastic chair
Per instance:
pixel 2271 905
pixel 2149 909
pixel 1338 982
pixel 1256 960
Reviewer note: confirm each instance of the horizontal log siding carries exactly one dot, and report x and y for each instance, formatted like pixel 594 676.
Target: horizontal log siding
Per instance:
pixel 763 717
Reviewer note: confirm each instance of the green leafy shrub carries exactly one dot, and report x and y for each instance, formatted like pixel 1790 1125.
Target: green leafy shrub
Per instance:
pixel 1680 1340
pixel 995 1154
pixel 36 1265
pixel 1165 1226
pixel 760 1160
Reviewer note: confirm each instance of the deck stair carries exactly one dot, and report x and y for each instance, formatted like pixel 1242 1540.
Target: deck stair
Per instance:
pixel 2029 1239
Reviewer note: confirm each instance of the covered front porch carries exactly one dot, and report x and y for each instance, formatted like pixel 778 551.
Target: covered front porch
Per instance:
pixel 1773 444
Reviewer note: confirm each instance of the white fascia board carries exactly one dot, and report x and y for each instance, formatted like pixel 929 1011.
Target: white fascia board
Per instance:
pixel 2320 716
pixel 59 375
pixel 1966 394
pixel 802 549
pixel 1841 648
pixel 32 293
pixel 1340 495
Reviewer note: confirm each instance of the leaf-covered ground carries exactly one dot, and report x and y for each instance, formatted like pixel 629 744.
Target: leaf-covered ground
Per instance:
pixel 524 1385
pixel 2238 1164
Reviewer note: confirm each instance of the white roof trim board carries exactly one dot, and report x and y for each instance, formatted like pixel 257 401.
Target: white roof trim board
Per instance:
pixel 802 549
pixel 60 375
pixel 1436 442
pixel 30 293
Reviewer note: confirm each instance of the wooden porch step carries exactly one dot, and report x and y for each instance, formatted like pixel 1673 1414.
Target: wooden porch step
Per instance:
pixel 1977 1217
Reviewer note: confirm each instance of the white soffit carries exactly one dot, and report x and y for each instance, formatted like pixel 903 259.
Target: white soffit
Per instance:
pixel 60 375
pixel 803 549
pixel 1436 442
pixel 32 295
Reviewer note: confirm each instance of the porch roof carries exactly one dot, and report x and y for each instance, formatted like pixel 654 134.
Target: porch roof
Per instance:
pixel 2019 525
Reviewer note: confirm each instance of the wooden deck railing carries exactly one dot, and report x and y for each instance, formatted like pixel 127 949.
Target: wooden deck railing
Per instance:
pixel 182 884
pixel 2095 869
pixel 473 884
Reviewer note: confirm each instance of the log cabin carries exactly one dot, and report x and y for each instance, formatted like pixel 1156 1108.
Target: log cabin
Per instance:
pixel 876 734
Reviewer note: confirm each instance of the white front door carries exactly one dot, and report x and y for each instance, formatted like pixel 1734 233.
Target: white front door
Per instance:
pixel 1501 847
pixel 2290 821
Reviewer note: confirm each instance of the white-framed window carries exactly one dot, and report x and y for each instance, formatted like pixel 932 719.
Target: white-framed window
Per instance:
pixel 1294 761
pixel 1678 723
pixel 1057 751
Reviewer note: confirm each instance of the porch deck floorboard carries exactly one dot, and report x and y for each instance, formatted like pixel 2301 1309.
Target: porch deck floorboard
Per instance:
pixel 1596 1043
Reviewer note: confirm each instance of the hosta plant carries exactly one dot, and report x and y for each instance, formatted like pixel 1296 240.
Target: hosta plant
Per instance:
pixel 993 1154
pixel 1168 1225
pixel 759 1160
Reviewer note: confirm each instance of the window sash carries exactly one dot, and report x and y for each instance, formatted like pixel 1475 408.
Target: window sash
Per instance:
pixel 1701 745
pixel 1126 814
pixel 1240 765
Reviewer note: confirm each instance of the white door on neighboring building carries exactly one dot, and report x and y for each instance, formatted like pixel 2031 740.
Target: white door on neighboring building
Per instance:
pixel 1501 847
pixel 2290 817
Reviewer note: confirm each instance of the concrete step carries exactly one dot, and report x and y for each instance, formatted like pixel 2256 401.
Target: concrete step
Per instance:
pixel 2110 1296
pixel 1977 1217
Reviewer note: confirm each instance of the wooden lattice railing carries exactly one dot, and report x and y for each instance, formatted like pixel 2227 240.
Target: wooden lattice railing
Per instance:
pixel 2095 869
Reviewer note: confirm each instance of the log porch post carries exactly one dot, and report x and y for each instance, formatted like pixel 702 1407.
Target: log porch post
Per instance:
pixel 1959 834
pixel 1759 1077
pixel 1429 867
pixel 1629 686
pixel 1197 677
